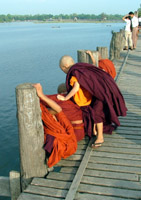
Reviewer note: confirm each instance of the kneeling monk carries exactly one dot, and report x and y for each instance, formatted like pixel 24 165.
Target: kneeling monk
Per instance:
pixel 59 127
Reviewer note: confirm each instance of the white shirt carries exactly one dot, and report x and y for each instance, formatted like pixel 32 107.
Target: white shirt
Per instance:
pixel 135 22
pixel 128 23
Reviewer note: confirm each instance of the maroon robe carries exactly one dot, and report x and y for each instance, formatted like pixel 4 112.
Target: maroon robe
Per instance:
pixel 107 103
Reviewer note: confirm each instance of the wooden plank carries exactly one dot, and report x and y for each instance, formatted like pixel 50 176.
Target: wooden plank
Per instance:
pixel 109 174
pixel 123 145
pixel 124 129
pixel 4 186
pixel 116 155
pixel 135 137
pixel 15 187
pixel 75 157
pixel 82 146
pixel 119 150
pixel 133 185
pixel 114 161
pixel 130 123
pixel 114 168
pixel 26 196
pixel 76 181
pixel 129 128
pixel 52 192
pixel 68 170
pixel 80 152
pixel 68 163
pixel 92 189
pixel 85 196
pixel 125 141
pixel 127 124
pixel 51 183
pixel 60 176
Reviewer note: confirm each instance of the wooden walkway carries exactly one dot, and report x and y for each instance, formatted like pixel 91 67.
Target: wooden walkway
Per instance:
pixel 111 172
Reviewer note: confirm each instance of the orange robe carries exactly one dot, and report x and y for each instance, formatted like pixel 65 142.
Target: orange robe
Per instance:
pixel 108 66
pixel 65 143
pixel 73 113
pixel 82 97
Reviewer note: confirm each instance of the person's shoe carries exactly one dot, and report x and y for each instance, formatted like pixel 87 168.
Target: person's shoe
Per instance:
pixel 125 48
pixel 131 48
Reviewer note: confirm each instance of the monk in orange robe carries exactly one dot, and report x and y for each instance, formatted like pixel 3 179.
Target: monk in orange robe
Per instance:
pixel 104 64
pixel 57 125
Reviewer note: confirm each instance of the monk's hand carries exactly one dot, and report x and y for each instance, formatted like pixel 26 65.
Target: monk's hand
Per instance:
pixel 89 52
pixel 60 97
pixel 38 88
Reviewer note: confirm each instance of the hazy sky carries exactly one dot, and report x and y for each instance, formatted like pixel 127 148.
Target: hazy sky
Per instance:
pixel 68 6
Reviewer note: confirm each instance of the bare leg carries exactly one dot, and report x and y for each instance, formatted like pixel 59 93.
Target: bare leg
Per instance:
pixel 100 138
pixel 94 130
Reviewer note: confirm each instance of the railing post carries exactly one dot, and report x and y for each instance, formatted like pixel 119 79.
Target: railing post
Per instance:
pixel 103 51
pixel 15 186
pixel 83 57
pixel 115 46
pixel 31 134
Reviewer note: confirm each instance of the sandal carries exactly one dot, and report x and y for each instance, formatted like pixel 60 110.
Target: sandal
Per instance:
pixel 96 145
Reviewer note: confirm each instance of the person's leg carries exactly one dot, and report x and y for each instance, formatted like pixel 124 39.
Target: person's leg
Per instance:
pixel 100 138
pixel 126 40
pixel 130 40
pixel 136 36
pixel 94 130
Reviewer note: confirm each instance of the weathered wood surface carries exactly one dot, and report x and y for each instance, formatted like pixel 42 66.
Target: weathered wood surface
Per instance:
pixel 103 51
pixel 30 129
pixel 10 186
pixel 113 171
pixel 15 186
pixel 83 57
pixel 116 45
pixel 4 186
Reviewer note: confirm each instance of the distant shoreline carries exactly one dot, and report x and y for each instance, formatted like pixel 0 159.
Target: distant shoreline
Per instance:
pixel 67 21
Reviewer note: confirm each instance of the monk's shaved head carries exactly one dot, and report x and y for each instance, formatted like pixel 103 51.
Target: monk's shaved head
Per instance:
pixel 66 62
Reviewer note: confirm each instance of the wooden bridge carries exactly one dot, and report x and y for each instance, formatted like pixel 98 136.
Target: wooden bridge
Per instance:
pixel 111 172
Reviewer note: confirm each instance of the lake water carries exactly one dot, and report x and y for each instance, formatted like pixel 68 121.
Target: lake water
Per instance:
pixel 30 52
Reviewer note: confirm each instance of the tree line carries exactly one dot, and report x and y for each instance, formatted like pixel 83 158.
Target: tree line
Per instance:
pixel 50 17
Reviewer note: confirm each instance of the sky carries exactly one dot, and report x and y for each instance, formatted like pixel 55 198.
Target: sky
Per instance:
pixel 68 6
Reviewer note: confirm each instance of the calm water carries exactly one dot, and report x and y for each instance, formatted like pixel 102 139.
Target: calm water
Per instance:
pixel 30 53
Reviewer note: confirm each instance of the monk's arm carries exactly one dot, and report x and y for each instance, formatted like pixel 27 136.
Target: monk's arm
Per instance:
pixel 71 93
pixel 49 101
pixel 92 57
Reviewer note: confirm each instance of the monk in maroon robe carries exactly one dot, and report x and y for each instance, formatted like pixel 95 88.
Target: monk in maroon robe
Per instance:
pixel 107 101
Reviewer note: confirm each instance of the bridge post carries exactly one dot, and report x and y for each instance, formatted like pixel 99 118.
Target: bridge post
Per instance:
pixel 115 46
pixel 103 52
pixel 83 57
pixel 31 134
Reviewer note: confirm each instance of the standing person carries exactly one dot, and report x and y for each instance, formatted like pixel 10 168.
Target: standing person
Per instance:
pixel 97 95
pixel 135 23
pixel 139 22
pixel 128 32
